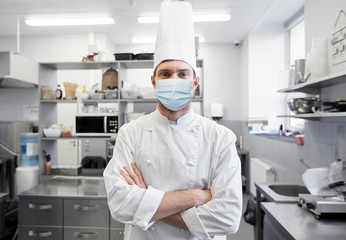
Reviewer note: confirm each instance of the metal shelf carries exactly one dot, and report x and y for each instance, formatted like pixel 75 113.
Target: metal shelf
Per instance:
pixel 313 85
pixel 80 65
pixel 316 116
pixel 78 138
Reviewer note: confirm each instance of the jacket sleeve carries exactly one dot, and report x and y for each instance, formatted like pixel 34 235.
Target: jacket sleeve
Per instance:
pixel 221 215
pixel 128 204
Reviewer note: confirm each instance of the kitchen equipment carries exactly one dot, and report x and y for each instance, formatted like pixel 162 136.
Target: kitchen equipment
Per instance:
pixel 336 106
pixel 300 70
pixel 51 132
pixel 327 189
pixel 96 124
pixel 111 94
pixel 304 105
pixel 17 71
pixel 124 56
pixel 144 56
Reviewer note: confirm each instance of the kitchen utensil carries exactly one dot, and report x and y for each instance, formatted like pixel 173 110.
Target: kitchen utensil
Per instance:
pixel 52 132
pixel 304 105
pixel 111 94
pixel 300 70
pixel 337 106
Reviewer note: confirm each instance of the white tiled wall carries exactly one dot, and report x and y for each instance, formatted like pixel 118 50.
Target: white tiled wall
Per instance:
pixel 319 149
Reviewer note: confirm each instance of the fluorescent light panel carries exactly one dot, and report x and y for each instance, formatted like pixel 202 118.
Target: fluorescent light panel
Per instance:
pixel 196 18
pixel 153 40
pixel 68 21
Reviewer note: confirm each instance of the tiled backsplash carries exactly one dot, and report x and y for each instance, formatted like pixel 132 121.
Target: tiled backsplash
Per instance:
pixel 319 149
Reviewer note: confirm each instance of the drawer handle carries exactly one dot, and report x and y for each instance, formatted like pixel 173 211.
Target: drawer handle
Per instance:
pixel 86 235
pixel 86 208
pixel 40 234
pixel 41 206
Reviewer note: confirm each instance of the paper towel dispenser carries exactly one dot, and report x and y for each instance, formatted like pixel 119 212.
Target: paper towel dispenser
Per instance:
pixel 17 71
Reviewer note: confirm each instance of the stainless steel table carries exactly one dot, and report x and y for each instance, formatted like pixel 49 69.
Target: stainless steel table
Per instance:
pixel 293 222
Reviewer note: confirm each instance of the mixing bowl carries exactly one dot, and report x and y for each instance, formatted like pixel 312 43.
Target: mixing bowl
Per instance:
pixel 304 105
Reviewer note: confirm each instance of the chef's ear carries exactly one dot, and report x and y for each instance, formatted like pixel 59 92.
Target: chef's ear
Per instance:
pixel 153 82
pixel 195 83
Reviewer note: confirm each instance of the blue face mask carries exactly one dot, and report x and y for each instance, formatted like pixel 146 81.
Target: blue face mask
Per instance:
pixel 174 94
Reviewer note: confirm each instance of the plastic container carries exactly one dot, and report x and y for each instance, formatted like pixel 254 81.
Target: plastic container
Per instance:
pixel 145 56
pixel 124 56
pixel 29 149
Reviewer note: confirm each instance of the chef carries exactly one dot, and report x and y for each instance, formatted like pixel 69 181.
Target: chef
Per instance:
pixel 174 174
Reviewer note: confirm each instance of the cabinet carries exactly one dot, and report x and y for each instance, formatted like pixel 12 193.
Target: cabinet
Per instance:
pixel 67 209
pixel 317 86
pixel 48 75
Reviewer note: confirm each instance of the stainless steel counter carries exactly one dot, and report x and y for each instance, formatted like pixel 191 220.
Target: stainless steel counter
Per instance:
pixel 298 223
pixel 91 187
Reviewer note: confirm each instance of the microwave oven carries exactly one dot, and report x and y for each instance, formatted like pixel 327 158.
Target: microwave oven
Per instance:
pixel 96 124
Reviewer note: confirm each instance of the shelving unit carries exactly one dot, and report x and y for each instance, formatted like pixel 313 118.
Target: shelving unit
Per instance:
pixel 48 108
pixel 314 87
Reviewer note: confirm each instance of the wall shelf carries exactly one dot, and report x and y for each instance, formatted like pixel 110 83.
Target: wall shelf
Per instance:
pixel 313 85
pixel 317 116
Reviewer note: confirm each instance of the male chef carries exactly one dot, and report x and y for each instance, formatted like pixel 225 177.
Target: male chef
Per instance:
pixel 174 174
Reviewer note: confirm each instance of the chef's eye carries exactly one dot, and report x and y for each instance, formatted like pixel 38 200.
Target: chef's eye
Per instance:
pixel 184 75
pixel 164 74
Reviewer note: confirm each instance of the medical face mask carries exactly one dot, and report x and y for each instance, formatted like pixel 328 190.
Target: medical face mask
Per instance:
pixel 174 94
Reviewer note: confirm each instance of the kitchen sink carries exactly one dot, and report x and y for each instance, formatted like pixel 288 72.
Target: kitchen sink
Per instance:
pixel 288 190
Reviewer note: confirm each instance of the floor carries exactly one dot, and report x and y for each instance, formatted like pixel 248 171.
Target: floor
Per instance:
pixel 246 231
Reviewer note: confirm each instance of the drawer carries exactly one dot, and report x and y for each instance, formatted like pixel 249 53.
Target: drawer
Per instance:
pixel 40 211
pixel 42 233
pixel 115 224
pixel 71 233
pixel 93 213
pixel 117 234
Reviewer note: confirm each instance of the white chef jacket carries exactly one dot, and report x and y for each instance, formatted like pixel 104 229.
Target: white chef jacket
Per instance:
pixel 193 153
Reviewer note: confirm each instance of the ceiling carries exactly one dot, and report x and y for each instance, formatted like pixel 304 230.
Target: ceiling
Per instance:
pixel 245 15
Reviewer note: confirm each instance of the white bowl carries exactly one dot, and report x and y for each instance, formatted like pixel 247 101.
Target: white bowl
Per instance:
pixel 51 132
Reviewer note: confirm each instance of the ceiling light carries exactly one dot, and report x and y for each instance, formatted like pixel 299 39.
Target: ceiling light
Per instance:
pixel 68 21
pixel 196 18
pixel 153 40
pixel 212 18
pixel 143 40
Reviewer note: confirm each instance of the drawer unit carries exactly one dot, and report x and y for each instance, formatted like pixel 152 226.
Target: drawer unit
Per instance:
pixel 40 211
pixel 71 233
pixel 80 212
pixel 39 233
pixel 117 234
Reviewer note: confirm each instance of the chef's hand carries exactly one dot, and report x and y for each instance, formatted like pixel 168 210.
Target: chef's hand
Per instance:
pixel 133 177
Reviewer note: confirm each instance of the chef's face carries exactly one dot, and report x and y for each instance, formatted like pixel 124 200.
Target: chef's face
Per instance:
pixel 173 69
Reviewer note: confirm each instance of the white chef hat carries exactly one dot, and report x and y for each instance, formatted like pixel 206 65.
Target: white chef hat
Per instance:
pixel 175 36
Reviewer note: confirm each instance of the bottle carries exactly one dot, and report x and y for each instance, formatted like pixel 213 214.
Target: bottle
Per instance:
pixel 48 168
pixel 29 149
pixel 58 93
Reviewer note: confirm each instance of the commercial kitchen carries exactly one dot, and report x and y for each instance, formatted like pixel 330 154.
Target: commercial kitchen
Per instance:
pixel 272 71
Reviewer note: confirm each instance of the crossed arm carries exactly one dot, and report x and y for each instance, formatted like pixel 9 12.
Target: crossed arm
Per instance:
pixel 173 202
